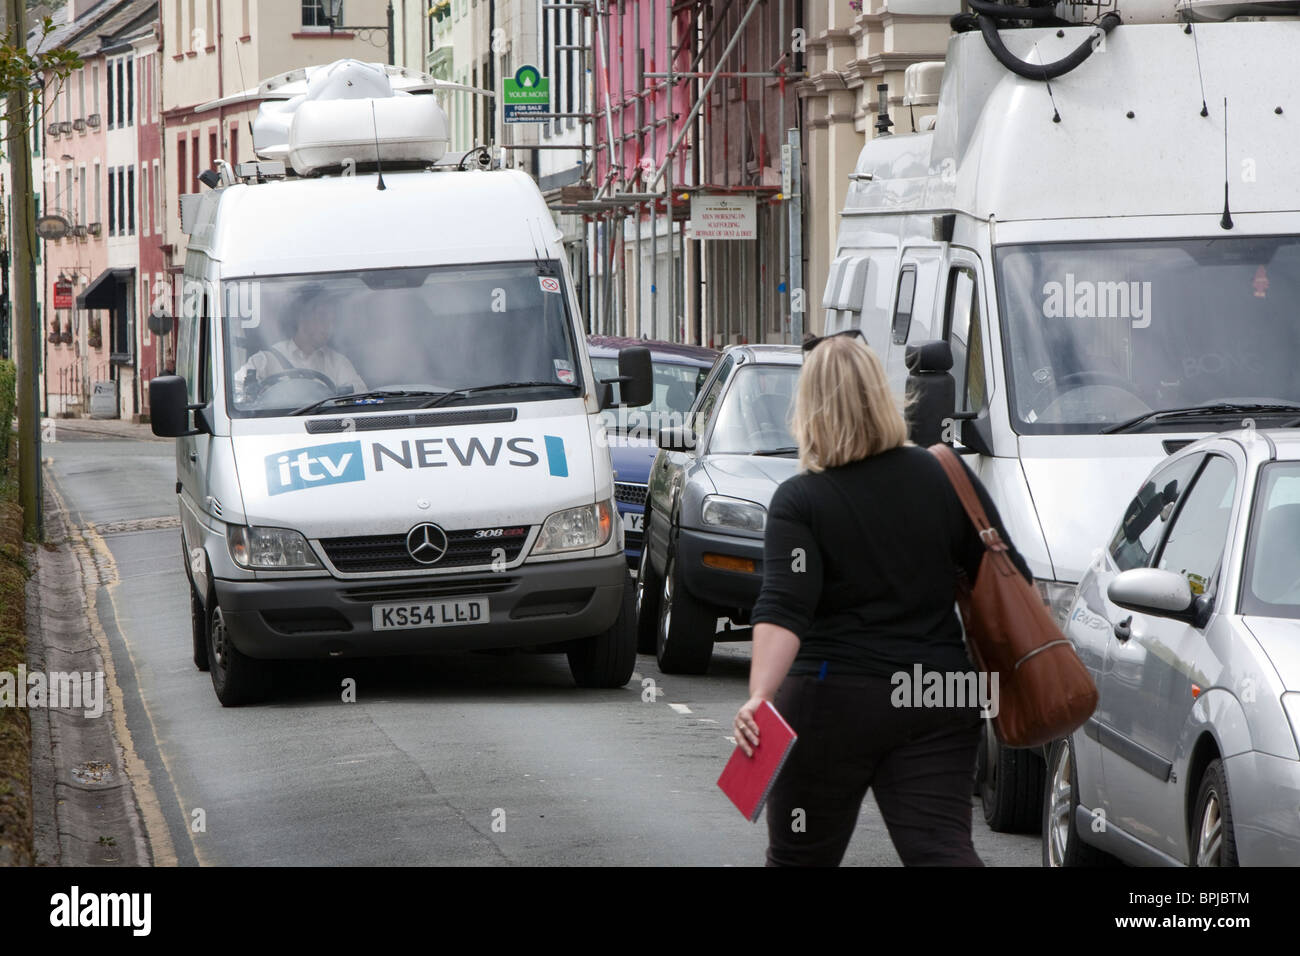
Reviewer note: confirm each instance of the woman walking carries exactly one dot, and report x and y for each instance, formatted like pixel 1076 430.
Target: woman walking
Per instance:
pixel 861 556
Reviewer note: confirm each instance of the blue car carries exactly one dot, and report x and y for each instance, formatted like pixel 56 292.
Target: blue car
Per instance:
pixel 679 371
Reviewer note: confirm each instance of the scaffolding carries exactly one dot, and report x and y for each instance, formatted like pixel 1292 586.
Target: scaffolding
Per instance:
pixel 689 98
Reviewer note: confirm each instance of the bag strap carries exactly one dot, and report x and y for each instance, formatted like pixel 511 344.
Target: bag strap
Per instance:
pixel 970 501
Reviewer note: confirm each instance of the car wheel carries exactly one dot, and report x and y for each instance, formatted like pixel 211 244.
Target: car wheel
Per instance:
pixel 1062 845
pixel 1213 840
pixel 1012 788
pixel 236 677
pixel 608 659
pixel 684 642
pixel 198 630
pixel 646 595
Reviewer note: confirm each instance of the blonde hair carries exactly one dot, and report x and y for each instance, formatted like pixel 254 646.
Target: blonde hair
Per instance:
pixel 843 410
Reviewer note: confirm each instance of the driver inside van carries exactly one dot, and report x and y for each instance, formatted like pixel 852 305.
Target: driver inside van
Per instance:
pixel 307 351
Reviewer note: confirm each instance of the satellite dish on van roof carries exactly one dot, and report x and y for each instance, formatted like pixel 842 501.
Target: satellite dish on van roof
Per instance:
pixel 349 111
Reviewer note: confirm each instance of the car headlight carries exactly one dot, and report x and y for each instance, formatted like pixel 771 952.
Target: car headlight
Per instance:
pixel 576 529
pixel 281 549
pixel 723 512
pixel 1291 704
pixel 1058 597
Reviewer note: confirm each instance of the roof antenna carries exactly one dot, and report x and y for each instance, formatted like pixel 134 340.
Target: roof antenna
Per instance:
pixel 1205 110
pixel 1056 113
pixel 1226 221
pixel 379 167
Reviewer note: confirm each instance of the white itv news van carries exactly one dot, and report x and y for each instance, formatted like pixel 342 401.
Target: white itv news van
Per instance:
pixel 1049 269
pixel 388 430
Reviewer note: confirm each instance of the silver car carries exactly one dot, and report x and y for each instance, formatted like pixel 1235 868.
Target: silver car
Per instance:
pixel 1189 621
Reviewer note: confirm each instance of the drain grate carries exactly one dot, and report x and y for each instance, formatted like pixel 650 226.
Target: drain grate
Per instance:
pixel 93 771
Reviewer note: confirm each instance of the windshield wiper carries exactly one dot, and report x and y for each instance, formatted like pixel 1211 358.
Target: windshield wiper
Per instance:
pixel 448 395
pixel 1216 410
pixel 360 397
pixel 791 450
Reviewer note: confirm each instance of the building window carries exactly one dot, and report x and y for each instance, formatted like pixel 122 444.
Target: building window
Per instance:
pixel 144 200
pixel 314 14
pixel 98 206
pixel 234 144
pixel 155 199
pixel 212 149
pixel 109 111
pixel 194 163
pixel 82 217
pixel 112 206
pixel 81 90
pixel 130 201
pixel 121 94
pixel 121 202
pixel 128 68
pixel 94 88
pixel 180 30
pixel 180 171
pixel 146 306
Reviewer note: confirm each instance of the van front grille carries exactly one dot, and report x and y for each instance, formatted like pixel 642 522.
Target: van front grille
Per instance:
pixel 387 552
pixel 629 493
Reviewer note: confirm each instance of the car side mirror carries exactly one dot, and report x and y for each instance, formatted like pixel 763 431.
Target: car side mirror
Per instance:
pixel 678 438
pixel 1156 592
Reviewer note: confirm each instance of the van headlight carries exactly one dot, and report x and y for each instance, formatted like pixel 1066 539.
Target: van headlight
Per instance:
pixel 576 529
pixel 1058 597
pixel 736 513
pixel 281 549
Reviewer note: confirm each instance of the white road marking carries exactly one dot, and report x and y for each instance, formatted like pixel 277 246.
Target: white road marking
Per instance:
pixel 680 708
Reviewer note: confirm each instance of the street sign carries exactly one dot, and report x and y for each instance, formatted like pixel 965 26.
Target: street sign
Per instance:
pixel 723 217
pixel 63 295
pixel 52 226
pixel 525 96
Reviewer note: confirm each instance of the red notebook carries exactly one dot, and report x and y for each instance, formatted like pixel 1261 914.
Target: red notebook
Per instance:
pixel 748 780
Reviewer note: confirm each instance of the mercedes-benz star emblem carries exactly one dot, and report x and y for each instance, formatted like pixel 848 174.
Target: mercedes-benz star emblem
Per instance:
pixel 426 543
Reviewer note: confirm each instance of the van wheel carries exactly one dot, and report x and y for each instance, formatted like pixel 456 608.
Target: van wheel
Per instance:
pixel 1012 789
pixel 608 659
pixel 1213 838
pixel 646 603
pixel 198 630
pixel 684 642
pixel 1062 845
pixel 236 677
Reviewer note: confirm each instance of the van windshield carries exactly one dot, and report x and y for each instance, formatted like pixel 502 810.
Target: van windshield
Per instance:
pixel 1098 333
pixel 405 337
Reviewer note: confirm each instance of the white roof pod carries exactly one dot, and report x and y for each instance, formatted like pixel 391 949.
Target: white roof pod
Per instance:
pixel 350 111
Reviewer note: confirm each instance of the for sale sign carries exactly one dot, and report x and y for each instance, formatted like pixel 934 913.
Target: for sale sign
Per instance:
pixel 63 295
pixel 527 97
pixel 723 217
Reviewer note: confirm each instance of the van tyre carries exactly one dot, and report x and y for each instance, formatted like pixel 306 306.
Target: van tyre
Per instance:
pixel 1011 790
pixel 684 638
pixel 608 659
pixel 198 629
pixel 1214 841
pixel 646 595
pixel 236 677
pixel 1062 845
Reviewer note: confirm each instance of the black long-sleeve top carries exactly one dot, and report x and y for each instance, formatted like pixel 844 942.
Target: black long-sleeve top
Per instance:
pixel 861 561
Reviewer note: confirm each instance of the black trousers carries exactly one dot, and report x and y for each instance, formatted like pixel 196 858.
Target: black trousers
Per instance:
pixel 919 762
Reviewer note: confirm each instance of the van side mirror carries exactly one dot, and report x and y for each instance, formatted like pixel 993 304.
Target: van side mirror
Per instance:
pixel 635 380
pixel 931 393
pixel 169 409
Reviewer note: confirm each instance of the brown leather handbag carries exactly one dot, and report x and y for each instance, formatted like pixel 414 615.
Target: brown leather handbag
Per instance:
pixel 1044 691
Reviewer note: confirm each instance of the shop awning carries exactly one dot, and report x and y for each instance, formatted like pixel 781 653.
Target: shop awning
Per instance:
pixel 103 292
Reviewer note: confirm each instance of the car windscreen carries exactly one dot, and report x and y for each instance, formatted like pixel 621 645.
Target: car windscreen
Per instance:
pixel 1096 333
pixel 675 388
pixel 1271 585
pixel 754 415
pixel 294 340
